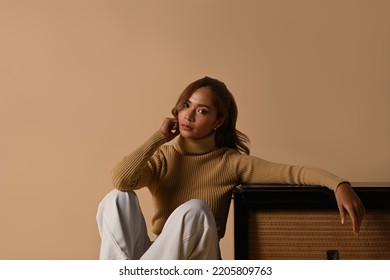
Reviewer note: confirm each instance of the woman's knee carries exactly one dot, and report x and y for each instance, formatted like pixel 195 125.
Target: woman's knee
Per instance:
pixel 119 200
pixel 120 196
pixel 196 208
pixel 197 205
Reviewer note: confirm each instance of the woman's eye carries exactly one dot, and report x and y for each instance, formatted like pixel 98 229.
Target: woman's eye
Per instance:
pixel 202 111
pixel 186 105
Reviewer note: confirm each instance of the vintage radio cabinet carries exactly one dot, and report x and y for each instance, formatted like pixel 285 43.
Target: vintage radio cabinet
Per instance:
pixel 291 222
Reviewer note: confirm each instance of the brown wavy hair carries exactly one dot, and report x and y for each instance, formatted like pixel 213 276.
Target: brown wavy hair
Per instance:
pixel 226 136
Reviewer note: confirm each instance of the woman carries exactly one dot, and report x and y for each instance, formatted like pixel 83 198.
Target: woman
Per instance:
pixel 191 181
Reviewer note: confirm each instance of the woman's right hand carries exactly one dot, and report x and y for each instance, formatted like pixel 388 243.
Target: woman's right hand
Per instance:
pixel 170 128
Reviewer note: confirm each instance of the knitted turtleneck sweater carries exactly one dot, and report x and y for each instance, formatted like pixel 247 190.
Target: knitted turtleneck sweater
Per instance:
pixel 187 169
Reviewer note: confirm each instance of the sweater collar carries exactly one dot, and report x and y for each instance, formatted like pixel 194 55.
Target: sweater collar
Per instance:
pixel 196 147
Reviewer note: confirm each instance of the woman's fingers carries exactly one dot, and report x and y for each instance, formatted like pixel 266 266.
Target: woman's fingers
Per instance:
pixel 347 200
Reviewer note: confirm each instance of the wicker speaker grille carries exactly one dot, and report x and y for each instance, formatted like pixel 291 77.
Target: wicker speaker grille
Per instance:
pixel 311 234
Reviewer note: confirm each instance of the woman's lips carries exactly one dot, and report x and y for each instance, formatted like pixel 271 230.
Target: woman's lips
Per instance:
pixel 186 127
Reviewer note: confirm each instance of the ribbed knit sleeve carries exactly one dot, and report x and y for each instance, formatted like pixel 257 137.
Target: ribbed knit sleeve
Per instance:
pixel 137 169
pixel 253 170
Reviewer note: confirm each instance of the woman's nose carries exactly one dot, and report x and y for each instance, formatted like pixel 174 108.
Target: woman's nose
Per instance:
pixel 190 115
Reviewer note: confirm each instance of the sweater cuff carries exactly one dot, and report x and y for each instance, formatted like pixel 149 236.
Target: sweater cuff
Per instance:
pixel 338 185
pixel 159 137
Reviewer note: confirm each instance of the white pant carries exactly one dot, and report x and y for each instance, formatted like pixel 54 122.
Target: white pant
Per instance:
pixel 189 233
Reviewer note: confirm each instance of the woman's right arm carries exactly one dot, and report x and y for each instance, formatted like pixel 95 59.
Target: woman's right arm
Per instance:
pixel 136 170
pixel 139 168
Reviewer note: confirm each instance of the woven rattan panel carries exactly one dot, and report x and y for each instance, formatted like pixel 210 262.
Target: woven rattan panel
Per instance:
pixel 310 234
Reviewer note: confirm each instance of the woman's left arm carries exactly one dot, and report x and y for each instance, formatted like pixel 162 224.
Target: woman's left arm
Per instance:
pixel 253 170
pixel 347 200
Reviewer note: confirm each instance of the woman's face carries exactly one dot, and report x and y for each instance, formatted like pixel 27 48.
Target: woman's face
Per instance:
pixel 198 116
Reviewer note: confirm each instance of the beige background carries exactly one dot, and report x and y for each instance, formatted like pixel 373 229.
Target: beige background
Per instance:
pixel 84 82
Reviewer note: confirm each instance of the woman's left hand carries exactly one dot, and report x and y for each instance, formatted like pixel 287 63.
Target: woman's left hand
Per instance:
pixel 347 199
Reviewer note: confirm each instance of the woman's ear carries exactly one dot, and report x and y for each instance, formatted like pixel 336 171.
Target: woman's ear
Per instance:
pixel 219 122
